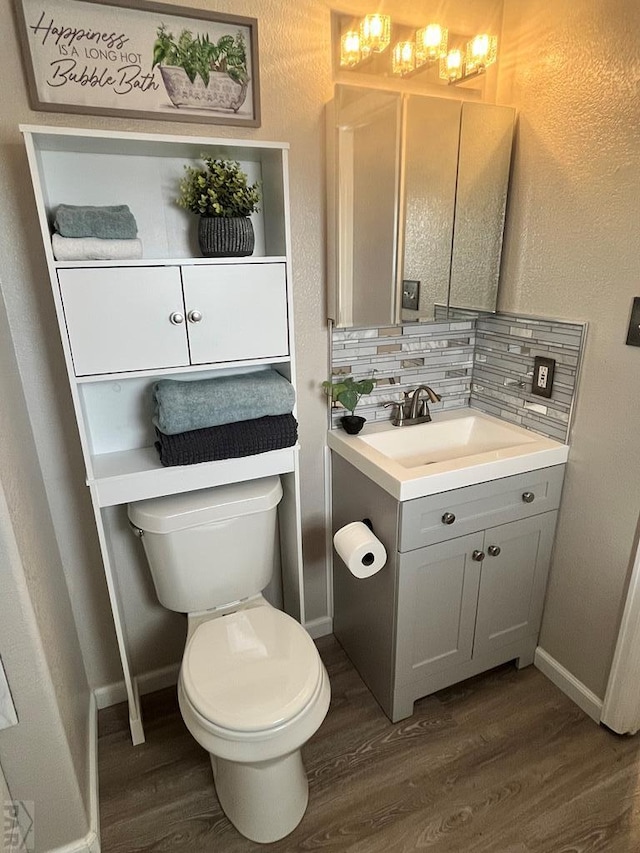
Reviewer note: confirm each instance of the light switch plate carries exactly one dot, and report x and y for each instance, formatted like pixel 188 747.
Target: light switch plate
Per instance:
pixel 633 335
pixel 411 295
pixel 543 370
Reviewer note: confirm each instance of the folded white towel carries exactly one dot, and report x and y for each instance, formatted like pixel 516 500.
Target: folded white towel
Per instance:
pixel 95 249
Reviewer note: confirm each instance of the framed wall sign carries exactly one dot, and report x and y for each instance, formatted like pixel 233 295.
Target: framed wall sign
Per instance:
pixel 141 59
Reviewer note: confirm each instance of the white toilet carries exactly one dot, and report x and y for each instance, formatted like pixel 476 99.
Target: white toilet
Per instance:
pixel 252 687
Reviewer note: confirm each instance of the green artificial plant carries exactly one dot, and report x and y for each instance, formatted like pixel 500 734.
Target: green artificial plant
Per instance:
pixel 348 391
pixel 221 189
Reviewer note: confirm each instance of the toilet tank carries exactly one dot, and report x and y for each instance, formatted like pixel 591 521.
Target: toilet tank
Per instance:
pixel 210 547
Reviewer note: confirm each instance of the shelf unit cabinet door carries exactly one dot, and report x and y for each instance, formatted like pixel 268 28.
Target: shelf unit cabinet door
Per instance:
pixel 513 583
pixel 119 319
pixel 242 308
pixel 437 598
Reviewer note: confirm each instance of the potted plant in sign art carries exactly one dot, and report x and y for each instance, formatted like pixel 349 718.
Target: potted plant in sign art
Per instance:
pixel 198 72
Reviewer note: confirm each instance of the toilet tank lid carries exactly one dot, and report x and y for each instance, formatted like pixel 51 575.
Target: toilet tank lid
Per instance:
pixel 170 513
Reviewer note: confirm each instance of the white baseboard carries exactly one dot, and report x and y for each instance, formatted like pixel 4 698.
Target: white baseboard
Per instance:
pixel 91 842
pixel 569 684
pixel 319 627
pixel 157 679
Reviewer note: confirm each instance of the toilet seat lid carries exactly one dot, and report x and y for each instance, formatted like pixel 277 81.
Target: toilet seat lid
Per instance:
pixel 250 670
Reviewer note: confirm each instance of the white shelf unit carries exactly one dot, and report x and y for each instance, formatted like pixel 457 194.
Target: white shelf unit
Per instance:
pixel 118 338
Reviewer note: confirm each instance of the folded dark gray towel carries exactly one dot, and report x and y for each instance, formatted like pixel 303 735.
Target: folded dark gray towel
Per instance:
pixel 115 222
pixel 180 406
pixel 228 441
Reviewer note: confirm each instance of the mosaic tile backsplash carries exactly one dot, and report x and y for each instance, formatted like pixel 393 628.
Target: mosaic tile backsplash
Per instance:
pixel 486 363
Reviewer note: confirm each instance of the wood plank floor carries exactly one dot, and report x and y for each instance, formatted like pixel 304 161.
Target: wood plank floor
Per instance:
pixel 503 763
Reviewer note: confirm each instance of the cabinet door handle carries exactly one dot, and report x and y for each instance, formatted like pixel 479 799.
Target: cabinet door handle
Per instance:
pixel 448 518
pixel 194 316
pixel 493 550
pixel 528 497
pixel 478 556
pixel 176 318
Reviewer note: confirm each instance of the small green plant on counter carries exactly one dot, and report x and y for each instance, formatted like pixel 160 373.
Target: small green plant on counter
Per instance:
pixel 199 56
pixel 348 391
pixel 221 189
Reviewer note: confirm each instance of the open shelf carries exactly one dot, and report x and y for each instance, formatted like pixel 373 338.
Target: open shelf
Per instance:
pixel 144 172
pixel 133 475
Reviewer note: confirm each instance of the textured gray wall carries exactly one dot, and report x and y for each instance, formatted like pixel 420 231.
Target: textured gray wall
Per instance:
pixel 572 251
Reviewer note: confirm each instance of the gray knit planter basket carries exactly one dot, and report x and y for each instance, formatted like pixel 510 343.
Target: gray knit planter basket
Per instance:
pixel 222 237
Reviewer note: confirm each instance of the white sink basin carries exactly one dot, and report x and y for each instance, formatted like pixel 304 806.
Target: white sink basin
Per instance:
pixel 458 448
pixel 439 441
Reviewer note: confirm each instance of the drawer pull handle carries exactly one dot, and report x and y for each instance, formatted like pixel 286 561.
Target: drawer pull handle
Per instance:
pixel 493 550
pixel 478 556
pixel 194 316
pixel 176 318
pixel 528 497
pixel 448 518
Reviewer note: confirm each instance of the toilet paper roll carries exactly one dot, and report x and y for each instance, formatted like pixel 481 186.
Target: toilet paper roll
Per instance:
pixel 361 551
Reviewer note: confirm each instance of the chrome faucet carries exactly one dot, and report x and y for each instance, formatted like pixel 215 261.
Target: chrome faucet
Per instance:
pixel 414 409
pixel 419 409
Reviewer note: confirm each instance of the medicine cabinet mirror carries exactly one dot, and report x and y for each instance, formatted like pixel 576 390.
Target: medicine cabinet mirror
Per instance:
pixel 417 190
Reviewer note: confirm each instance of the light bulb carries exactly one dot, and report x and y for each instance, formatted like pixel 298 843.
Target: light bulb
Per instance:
pixel 375 33
pixel 350 53
pixel 403 60
pixel 451 66
pixel 431 43
pixel 481 52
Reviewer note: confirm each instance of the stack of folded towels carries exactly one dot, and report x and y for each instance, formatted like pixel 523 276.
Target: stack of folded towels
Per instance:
pixel 85 233
pixel 224 417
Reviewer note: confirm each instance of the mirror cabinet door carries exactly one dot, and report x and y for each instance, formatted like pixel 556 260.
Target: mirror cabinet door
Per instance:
pixel 367 150
pixel 430 158
pixel 486 135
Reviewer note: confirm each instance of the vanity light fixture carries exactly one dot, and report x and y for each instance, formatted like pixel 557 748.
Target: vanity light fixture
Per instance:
pixel 414 51
pixel 403 58
pixel 431 44
pixel 350 53
pixel 375 34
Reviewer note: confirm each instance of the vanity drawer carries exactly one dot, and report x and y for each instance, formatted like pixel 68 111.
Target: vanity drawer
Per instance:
pixel 437 518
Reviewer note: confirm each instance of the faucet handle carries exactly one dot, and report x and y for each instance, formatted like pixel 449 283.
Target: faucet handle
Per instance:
pixel 397 415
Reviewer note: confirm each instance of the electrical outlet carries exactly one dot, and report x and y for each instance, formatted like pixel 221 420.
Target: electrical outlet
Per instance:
pixel 543 370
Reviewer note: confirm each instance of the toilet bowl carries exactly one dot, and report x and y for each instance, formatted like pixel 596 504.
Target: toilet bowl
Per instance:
pixel 252 688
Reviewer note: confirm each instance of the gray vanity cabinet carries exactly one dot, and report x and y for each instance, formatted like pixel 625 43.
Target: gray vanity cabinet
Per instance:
pixel 456 597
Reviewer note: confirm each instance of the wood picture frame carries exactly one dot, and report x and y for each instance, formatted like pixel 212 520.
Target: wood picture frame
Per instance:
pixel 140 59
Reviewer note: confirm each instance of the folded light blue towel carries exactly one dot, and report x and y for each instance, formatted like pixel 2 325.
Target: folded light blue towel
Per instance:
pixel 115 222
pixel 180 406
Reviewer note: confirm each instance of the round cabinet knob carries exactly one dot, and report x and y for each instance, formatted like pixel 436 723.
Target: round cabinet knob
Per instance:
pixel 493 550
pixel 528 497
pixel 194 316
pixel 478 556
pixel 176 318
pixel 448 518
